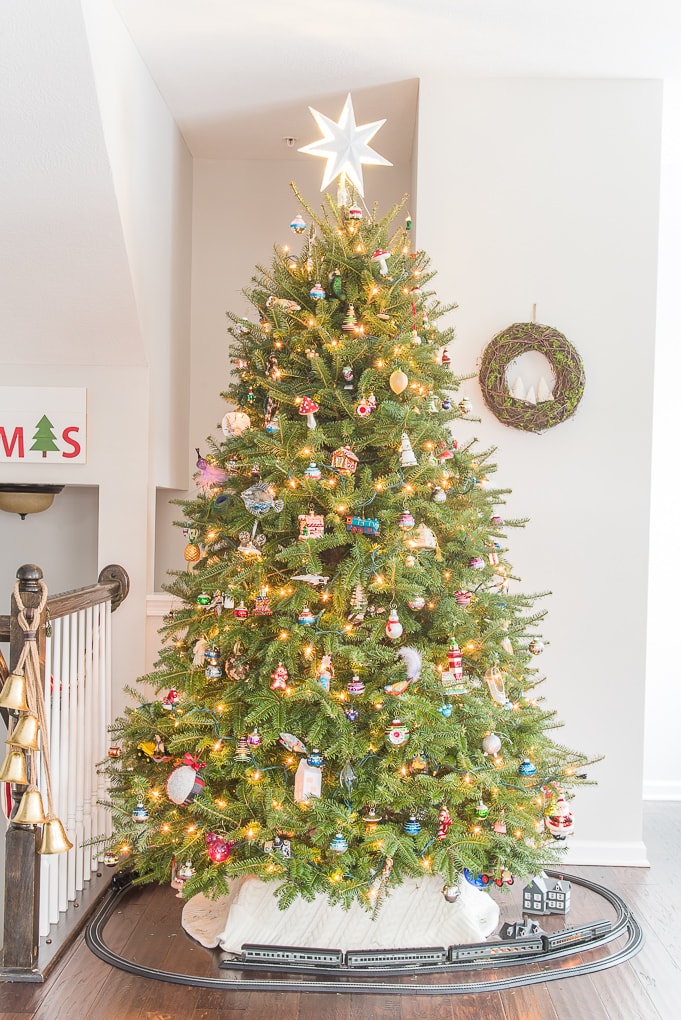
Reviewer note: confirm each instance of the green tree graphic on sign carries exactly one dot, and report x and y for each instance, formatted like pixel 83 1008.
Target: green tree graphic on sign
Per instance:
pixel 44 438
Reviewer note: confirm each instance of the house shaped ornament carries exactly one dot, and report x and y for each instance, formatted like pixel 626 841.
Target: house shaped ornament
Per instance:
pixel 344 461
pixel 311 526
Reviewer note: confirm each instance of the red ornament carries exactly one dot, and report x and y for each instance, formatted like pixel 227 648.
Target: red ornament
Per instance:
pixel 445 820
pixel 455 660
pixel 171 699
pixel 218 849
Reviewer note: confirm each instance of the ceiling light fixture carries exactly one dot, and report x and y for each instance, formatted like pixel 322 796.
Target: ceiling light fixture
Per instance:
pixel 27 499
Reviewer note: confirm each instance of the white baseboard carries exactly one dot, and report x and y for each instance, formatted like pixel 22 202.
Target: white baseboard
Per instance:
pixel 663 789
pixel 607 854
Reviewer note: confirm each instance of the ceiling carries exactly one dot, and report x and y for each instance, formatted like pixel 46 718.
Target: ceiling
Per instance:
pixel 238 77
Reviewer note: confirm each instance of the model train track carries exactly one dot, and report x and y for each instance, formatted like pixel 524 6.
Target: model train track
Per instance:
pixel 347 979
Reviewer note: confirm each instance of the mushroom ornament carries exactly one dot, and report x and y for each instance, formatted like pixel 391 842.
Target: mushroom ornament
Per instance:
pixel 380 256
pixel 308 408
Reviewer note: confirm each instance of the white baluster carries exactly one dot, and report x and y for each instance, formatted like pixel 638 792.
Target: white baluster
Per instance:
pixel 74 742
pixel 79 749
pixel 65 860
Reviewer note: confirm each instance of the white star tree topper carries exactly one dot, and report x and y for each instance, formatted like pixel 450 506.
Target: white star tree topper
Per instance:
pixel 345 146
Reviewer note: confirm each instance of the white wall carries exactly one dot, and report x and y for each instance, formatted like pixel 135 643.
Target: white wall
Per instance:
pixel 662 768
pixel 547 191
pixel 69 563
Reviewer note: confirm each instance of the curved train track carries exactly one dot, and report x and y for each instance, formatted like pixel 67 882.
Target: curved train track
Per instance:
pixel 341 980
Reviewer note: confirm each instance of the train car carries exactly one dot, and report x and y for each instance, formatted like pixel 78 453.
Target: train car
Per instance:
pixel 575 936
pixel 485 952
pixel 360 959
pixel 297 955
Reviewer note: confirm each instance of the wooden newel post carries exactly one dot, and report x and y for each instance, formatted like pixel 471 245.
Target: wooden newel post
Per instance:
pixel 22 863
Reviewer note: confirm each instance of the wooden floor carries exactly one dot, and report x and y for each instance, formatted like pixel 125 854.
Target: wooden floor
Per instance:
pixel 147 929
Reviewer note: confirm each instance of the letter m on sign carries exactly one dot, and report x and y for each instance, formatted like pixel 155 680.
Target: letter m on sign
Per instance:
pixel 17 440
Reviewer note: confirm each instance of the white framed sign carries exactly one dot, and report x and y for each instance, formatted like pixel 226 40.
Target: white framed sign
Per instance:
pixel 43 425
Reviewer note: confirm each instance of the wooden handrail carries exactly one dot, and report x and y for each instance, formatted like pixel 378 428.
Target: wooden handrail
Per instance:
pixel 113 583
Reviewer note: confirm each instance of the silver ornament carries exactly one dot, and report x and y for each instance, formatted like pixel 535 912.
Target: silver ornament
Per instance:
pixel 451 893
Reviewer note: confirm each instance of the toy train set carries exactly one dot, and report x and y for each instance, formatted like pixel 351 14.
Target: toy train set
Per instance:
pixel 476 954
pixel 574 950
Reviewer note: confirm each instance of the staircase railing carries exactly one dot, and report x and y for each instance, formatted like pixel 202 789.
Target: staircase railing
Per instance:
pixel 74 646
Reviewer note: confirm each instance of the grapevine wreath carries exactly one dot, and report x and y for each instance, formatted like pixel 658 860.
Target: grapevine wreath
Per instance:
pixel 565 362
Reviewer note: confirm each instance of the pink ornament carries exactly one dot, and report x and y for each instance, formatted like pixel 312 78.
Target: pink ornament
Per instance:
pixel 463 598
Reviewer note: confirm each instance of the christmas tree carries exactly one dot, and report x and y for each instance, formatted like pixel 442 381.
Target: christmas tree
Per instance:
pixel 348 695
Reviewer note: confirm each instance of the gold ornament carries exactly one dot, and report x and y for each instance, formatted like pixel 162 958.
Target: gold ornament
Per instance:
pixel 398 381
pixel 192 553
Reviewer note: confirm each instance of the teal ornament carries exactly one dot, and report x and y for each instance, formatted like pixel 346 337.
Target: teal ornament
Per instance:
pixel 526 768
pixel 445 711
pixel 317 292
pixel 298 224
pixel 412 826
pixel 315 759
pixel 338 844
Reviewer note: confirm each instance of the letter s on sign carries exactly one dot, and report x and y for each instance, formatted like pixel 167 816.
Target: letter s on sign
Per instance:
pixel 66 436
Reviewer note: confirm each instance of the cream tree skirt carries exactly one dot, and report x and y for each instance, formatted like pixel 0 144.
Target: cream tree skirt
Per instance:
pixel 415 914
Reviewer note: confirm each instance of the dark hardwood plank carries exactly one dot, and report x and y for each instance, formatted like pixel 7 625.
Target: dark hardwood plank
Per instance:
pixel 374 1007
pixel 427 1007
pixel 623 996
pixel 530 1002
pixel 216 1014
pixel 15 1016
pixel 212 999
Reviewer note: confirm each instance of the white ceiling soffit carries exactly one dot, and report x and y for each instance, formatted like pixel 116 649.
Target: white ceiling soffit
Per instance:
pixel 237 76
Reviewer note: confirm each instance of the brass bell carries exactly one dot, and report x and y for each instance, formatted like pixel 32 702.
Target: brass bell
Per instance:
pixel 55 840
pixel 14 768
pixel 25 733
pixel 13 694
pixel 30 811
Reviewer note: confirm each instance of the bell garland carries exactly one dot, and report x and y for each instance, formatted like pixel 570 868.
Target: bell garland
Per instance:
pixel 54 838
